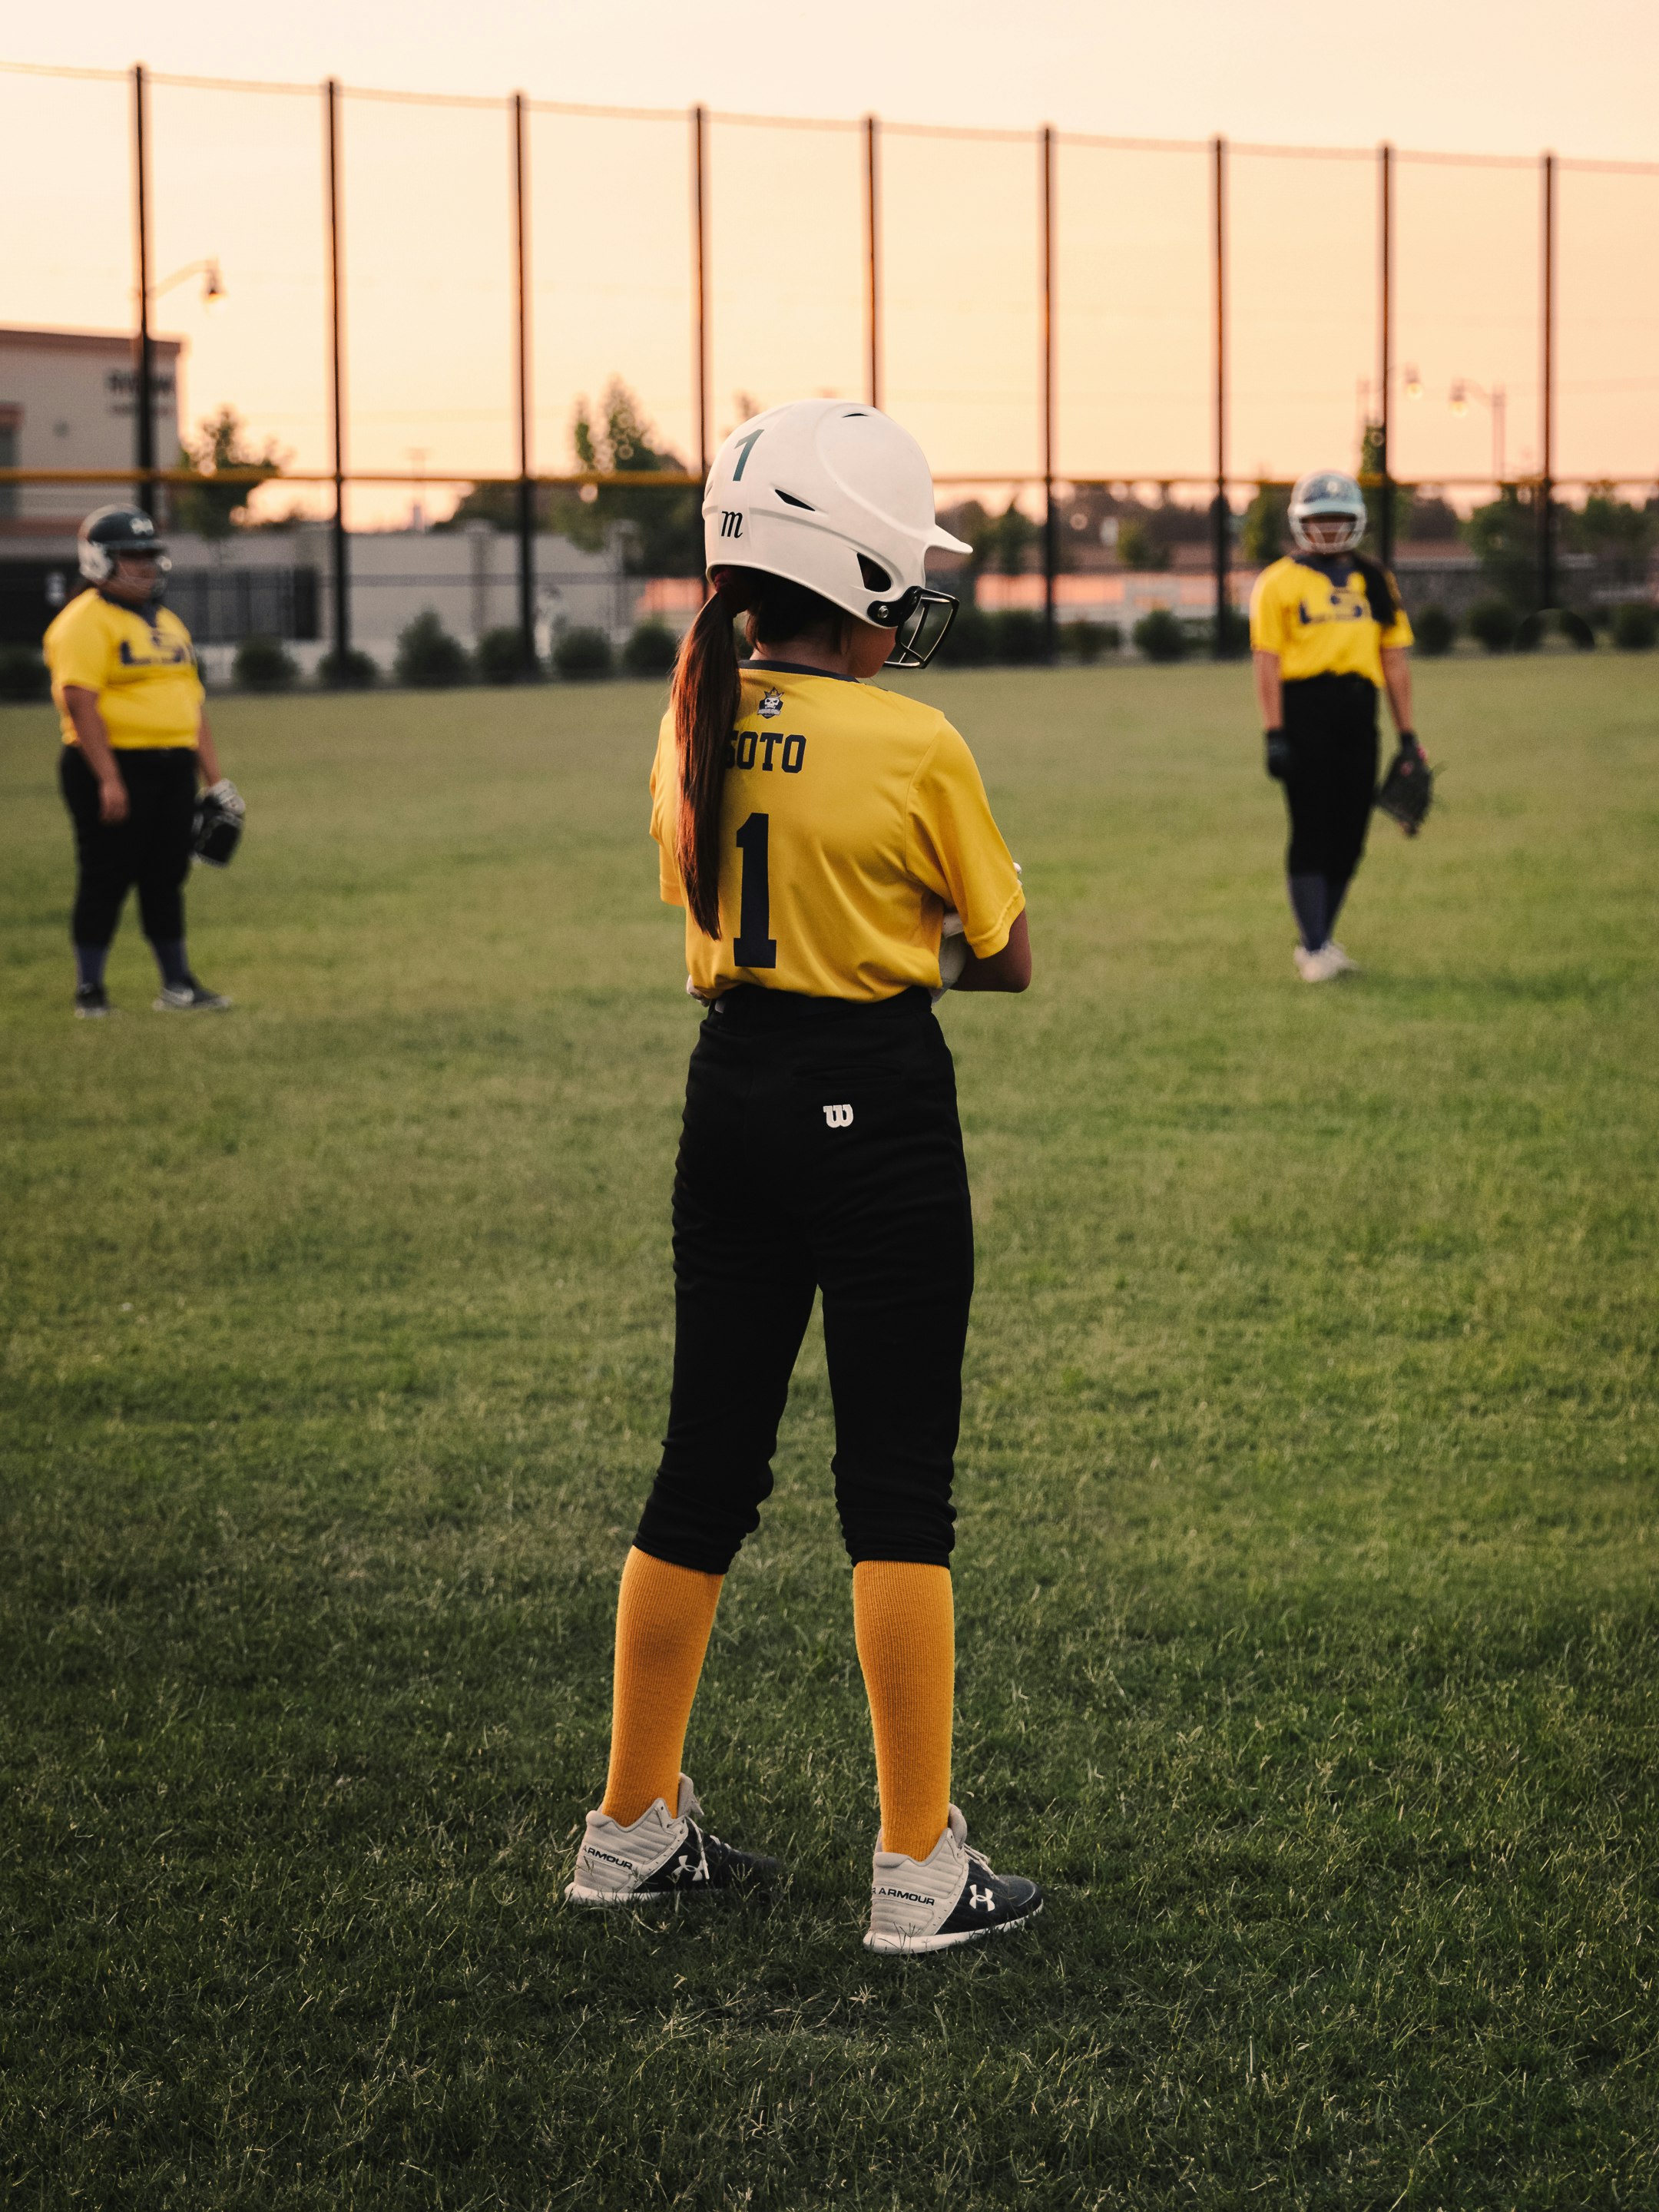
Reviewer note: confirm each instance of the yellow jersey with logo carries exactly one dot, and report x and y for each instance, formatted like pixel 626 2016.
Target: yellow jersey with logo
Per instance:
pixel 1319 621
pixel 851 818
pixel 142 665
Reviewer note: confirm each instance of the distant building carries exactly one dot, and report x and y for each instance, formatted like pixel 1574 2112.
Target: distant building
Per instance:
pixel 67 401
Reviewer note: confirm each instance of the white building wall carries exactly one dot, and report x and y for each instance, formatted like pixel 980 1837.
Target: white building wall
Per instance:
pixel 67 401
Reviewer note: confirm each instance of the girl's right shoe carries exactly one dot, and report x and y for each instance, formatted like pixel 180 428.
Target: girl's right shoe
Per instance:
pixel 949 1898
pixel 659 1858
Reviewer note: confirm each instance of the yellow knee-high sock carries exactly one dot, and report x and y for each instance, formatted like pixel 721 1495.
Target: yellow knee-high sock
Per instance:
pixel 905 1625
pixel 663 1614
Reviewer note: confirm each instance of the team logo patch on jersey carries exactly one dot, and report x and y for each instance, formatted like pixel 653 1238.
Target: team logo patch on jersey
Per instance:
pixel 773 702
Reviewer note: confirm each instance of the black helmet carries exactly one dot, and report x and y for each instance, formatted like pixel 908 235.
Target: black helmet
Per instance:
pixel 112 530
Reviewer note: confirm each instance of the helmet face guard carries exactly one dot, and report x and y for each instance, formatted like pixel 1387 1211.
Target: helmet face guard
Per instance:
pixel 1333 501
pixel 922 618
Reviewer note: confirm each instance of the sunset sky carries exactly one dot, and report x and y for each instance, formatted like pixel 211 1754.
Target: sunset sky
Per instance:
pixel 239 176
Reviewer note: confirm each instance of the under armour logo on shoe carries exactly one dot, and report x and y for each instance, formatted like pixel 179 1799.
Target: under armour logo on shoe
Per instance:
pixel 838 1117
pixel 980 1900
pixel 696 1869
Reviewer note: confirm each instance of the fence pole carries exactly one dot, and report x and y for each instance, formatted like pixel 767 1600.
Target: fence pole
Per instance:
pixel 700 275
pixel 143 364
pixel 1546 486
pixel 872 261
pixel 521 346
pixel 1385 346
pixel 336 380
pixel 1048 545
pixel 1221 549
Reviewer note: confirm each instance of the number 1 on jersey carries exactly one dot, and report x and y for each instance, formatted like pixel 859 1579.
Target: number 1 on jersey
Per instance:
pixel 754 947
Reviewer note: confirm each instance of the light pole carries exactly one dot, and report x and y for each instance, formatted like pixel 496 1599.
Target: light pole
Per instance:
pixel 420 455
pixel 1463 390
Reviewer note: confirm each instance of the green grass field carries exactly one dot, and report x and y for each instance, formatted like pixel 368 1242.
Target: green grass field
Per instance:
pixel 1307 1555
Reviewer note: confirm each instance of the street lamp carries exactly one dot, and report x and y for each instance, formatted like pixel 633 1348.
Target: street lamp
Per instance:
pixel 213 283
pixel 1462 391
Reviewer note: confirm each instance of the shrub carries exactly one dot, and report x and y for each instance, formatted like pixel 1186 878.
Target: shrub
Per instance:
pixel 1576 631
pixel 1087 640
pixel 22 674
pixel 1492 625
pixel 428 656
pixel 581 655
pixel 1530 631
pixel 1436 632
pixel 969 643
pixel 1160 635
pixel 1635 627
pixel 500 657
pixel 262 665
pixel 350 671
pixel 651 649
pixel 1019 637
pixel 1235 632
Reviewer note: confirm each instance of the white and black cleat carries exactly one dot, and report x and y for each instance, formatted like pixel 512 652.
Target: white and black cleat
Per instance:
pixel 190 997
pixel 661 1858
pixel 949 1898
pixel 92 1003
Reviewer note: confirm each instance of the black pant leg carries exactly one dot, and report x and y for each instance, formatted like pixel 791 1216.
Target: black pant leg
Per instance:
pixel 743 1295
pixel 106 852
pixel 893 1246
pixel 1331 725
pixel 169 781
pixel 1352 793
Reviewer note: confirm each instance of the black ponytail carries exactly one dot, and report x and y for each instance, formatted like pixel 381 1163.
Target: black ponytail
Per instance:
pixel 704 701
pixel 1379 591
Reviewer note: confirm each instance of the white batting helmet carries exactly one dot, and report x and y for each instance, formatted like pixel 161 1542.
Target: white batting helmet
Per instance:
pixel 1327 495
pixel 838 497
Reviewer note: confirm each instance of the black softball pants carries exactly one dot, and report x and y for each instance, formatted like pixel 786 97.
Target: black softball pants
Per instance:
pixel 821 1151
pixel 1330 722
pixel 151 847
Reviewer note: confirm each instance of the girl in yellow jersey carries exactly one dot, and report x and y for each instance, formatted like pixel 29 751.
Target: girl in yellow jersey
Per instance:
pixel 818 832
pixel 1328 634
pixel 135 743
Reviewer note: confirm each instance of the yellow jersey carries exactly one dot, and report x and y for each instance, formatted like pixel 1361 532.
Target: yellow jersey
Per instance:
pixel 142 665
pixel 1312 611
pixel 851 818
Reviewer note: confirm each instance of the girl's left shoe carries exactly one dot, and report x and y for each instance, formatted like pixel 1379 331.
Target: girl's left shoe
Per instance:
pixel 660 1856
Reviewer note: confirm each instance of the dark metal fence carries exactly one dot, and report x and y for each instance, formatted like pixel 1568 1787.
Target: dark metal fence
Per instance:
pixel 221 607
pixel 1316 260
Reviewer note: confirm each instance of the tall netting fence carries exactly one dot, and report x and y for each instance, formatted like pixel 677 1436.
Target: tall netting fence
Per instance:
pixel 481 350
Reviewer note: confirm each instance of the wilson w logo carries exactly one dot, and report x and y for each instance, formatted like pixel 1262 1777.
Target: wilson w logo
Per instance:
pixel 838 1117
